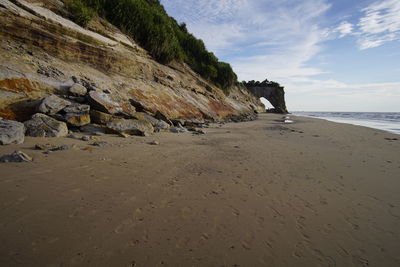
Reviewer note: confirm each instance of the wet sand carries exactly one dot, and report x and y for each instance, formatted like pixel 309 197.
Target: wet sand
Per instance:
pixel 260 193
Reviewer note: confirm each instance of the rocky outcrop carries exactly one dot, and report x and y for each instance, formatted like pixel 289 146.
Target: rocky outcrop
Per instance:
pixel 42 125
pixel 11 132
pixel 273 92
pixel 43 53
pixel 52 104
pixel 130 127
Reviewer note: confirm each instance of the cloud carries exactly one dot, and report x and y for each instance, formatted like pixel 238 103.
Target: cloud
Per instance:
pixel 379 23
pixel 345 28
pixel 260 38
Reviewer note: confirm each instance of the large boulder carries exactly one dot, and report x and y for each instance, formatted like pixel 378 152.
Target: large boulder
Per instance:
pixel 130 127
pixel 11 132
pixel 52 104
pixel 42 125
pixel 102 102
pixel 77 90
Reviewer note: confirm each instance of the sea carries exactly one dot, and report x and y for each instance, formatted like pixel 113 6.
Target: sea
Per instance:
pixel 386 121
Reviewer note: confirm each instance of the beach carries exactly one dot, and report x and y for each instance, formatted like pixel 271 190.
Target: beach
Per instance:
pixel 258 193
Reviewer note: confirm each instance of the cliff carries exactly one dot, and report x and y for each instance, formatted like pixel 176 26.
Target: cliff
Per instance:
pixel 44 53
pixel 271 91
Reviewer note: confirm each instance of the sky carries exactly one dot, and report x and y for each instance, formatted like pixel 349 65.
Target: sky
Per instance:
pixel 330 55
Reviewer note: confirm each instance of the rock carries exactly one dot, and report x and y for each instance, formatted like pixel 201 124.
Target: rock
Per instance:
pixel 48 147
pixel 102 102
pixel 154 143
pixel 77 108
pixel 85 138
pixel 100 117
pixel 145 117
pixel 11 132
pixel 138 106
pixel 17 156
pixel 178 130
pixel 175 122
pixel 161 116
pixel 161 125
pixel 52 104
pixel 77 119
pixel 93 129
pixel 99 143
pixel 130 127
pixel 77 90
pixel 44 126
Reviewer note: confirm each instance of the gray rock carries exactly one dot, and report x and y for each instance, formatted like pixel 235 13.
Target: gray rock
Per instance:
pixel 178 130
pixel 52 104
pixel 17 156
pixel 99 143
pixel 93 129
pixel 102 102
pixel 11 132
pixel 130 127
pixel 161 125
pixel 44 126
pixel 85 138
pixel 77 90
pixel 77 108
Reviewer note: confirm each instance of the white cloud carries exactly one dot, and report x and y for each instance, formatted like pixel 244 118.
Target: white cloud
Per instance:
pixel 378 24
pixel 345 28
pixel 260 38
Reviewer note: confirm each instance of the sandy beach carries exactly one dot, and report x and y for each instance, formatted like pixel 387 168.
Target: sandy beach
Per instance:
pixel 259 193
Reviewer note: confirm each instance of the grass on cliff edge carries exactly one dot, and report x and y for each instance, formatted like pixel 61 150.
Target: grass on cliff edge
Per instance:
pixel 166 40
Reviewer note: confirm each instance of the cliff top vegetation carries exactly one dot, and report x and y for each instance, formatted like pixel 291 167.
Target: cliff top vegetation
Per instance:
pixel 147 22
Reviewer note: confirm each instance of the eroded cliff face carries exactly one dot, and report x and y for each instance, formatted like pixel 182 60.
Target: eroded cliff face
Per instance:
pixel 43 53
pixel 273 93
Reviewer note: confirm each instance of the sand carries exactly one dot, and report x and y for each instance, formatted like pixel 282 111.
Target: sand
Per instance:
pixel 260 193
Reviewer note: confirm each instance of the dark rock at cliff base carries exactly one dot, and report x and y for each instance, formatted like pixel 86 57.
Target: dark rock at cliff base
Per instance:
pixel 94 129
pixel 130 127
pixel 11 132
pixel 17 156
pixel 160 116
pixel 102 102
pixel 44 126
pixel 138 106
pixel 52 104
pixel 77 90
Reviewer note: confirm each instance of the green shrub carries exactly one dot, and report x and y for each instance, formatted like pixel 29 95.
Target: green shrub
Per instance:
pixel 81 14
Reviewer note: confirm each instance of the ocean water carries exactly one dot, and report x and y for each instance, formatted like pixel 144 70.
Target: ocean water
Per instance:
pixel 387 121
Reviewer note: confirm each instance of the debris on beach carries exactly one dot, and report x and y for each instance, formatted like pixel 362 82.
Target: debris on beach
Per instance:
pixel 16 156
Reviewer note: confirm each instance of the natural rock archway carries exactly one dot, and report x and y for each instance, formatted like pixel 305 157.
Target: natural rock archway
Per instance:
pixel 273 92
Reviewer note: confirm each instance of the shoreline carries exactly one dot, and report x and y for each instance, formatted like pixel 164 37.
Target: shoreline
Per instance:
pixel 373 124
pixel 256 193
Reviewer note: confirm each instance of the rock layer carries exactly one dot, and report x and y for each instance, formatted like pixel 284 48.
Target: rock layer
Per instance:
pixel 44 53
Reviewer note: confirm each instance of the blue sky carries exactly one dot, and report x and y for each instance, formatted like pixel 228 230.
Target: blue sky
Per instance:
pixel 341 55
